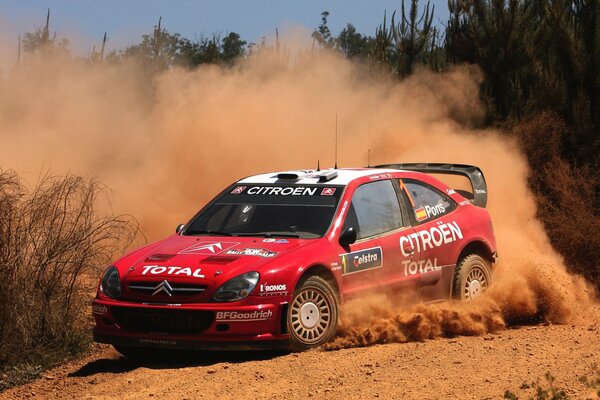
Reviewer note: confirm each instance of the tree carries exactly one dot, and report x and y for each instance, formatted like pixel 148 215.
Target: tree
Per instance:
pixel 233 47
pixel 413 36
pixel 322 36
pixel 352 44
pixel 40 40
pixel 160 50
pixel 381 51
pixel 497 35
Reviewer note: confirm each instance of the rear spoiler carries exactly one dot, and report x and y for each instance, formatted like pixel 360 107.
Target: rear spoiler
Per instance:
pixel 479 195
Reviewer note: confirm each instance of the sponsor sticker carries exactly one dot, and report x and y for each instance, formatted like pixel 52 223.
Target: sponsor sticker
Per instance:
pixel 434 211
pixel 282 190
pixel 158 341
pixel 380 176
pixel 99 309
pixel 242 316
pixel 252 252
pixel 209 248
pixel 362 260
pixel 433 237
pixel 267 289
pixel 175 271
pixel 327 191
pixel 450 191
pixel 421 266
pixel 238 190
pixel 279 241
pixel 421 214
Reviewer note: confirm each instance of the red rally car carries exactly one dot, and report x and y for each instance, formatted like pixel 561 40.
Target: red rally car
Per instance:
pixel 268 262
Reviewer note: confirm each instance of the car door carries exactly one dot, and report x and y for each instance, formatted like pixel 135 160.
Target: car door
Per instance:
pixel 434 232
pixel 375 258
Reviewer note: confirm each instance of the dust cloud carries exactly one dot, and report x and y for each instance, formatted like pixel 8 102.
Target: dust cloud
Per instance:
pixel 167 146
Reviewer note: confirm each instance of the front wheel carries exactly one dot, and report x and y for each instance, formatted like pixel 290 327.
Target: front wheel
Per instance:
pixel 472 277
pixel 313 315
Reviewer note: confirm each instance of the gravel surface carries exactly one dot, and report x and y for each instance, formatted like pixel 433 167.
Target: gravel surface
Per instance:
pixel 480 367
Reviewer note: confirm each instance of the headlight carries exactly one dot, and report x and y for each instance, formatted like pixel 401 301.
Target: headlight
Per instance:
pixel 111 283
pixel 237 288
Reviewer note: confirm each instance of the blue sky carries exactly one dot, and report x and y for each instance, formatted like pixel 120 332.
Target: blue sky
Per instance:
pixel 84 22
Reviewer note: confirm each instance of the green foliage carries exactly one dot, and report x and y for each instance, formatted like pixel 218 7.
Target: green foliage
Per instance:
pixel 19 375
pixel 510 395
pixel 352 44
pixel 536 56
pixel 322 35
pixel 40 41
pixel 413 36
pixel 160 50
pixel 547 390
pixel 495 35
pixel 544 390
pixel 233 47
pixel 592 383
pixel 381 52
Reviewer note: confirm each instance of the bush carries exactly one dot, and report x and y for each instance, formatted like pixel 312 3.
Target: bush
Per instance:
pixel 567 194
pixel 52 246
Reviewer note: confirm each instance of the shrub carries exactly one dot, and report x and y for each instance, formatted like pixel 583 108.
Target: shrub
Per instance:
pixel 567 194
pixel 52 245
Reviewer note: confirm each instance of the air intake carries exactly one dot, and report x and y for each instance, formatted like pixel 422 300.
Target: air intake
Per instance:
pixel 295 175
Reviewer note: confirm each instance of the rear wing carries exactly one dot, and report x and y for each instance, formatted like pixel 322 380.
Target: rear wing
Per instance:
pixel 479 195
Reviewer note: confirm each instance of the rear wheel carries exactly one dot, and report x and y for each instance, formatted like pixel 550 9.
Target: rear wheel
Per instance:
pixel 313 314
pixel 472 277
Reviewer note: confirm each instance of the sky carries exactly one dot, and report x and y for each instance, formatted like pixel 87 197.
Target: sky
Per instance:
pixel 84 22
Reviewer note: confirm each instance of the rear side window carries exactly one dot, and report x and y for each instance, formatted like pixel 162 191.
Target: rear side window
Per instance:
pixel 427 202
pixel 374 209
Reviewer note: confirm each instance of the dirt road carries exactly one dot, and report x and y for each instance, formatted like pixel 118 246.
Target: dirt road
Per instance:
pixel 481 367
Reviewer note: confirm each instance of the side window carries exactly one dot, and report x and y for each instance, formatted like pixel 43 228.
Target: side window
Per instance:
pixel 374 209
pixel 427 202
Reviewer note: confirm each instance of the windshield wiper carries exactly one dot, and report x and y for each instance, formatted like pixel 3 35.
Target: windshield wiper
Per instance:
pixel 211 233
pixel 270 234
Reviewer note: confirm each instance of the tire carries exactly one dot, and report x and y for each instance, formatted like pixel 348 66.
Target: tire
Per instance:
pixel 473 275
pixel 313 314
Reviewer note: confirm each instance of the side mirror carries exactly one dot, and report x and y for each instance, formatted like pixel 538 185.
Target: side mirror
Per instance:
pixel 179 228
pixel 348 237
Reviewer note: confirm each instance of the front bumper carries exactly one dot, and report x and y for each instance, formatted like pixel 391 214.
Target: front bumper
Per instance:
pixel 191 326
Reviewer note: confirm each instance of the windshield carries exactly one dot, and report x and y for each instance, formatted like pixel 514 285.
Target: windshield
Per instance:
pixel 270 210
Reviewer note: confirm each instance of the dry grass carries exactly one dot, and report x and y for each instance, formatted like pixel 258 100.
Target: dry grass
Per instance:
pixel 52 241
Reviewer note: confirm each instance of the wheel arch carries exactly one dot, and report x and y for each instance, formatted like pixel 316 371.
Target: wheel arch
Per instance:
pixel 318 270
pixel 323 272
pixel 477 247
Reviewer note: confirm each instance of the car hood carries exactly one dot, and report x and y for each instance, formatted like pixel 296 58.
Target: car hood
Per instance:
pixel 198 264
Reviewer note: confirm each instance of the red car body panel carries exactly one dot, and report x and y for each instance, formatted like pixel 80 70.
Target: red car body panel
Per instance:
pixel 422 255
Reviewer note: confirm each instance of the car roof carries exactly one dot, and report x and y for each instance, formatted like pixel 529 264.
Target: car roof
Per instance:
pixel 312 177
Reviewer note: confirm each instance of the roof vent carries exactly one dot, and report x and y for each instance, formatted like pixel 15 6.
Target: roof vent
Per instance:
pixel 324 176
pixel 293 174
